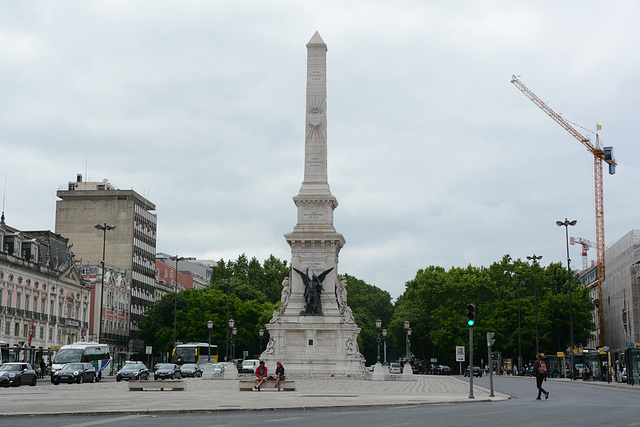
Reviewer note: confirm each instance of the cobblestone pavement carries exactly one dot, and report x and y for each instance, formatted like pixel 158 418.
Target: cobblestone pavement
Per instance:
pixel 218 395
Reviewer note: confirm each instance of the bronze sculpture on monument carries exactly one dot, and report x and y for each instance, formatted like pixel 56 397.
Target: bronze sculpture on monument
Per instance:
pixel 314 333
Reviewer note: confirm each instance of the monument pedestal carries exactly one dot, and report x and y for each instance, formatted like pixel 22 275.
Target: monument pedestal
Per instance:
pixel 378 372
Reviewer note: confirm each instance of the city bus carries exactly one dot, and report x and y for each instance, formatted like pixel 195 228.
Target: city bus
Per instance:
pixel 4 352
pixel 90 352
pixel 194 352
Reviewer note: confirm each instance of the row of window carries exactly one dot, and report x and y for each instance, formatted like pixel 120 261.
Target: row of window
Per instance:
pixel 72 312
pixel 24 327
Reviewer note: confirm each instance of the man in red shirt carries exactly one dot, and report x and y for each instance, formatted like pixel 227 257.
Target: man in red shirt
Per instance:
pixel 261 375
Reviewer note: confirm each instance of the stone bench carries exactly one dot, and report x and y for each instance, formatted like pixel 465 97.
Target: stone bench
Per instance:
pixel 169 385
pixel 246 385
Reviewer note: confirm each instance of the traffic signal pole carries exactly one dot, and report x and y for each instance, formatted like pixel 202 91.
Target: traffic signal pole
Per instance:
pixel 471 362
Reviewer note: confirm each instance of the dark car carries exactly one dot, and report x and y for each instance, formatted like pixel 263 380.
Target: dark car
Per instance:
pixel 477 372
pixel 74 373
pixel 442 370
pixel 167 371
pixel 133 371
pixel 16 374
pixel 191 370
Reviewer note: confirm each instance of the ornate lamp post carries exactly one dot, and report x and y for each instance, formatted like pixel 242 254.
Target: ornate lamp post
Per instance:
pixel 384 336
pixel 407 327
pixel 378 325
pixel 260 334
pixel 104 229
pixel 234 332
pixel 210 326
pixel 226 350
pixel 534 258
pixel 566 223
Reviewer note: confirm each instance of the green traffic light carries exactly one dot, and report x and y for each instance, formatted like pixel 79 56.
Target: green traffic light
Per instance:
pixel 470 322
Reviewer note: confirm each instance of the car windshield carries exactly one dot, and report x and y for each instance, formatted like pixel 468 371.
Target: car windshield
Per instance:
pixel 165 366
pixel 10 368
pixel 189 366
pixel 73 366
pixel 133 367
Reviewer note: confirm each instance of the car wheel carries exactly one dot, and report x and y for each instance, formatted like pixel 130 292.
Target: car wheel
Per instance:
pixel 55 383
pixel 155 378
pixel 93 378
pixel 80 379
pixel 34 382
pixel 118 380
pixel 17 383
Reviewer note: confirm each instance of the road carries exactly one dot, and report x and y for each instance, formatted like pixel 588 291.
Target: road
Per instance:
pixel 570 403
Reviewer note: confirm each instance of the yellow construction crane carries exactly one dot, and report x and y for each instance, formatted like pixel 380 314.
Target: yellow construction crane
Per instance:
pixel 599 154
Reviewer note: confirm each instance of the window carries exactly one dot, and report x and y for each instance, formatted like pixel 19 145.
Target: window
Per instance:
pixel 41 332
pixel 7 329
pixel 27 300
pixel 50 334
pixel 26 330
pixel 18 300
pixel 16 329
pixel 43 307
pixel 9 298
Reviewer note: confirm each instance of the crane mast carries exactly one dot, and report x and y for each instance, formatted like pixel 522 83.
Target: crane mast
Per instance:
pixel 599 154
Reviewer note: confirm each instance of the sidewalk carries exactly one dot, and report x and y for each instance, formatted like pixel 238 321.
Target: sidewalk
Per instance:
pixel 223 395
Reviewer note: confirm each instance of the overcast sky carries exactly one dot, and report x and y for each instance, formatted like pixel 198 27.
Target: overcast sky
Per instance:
pixel 434 156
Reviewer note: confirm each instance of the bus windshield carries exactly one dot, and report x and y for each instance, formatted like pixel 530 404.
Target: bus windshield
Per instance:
pixel 68 355
pixel 185 355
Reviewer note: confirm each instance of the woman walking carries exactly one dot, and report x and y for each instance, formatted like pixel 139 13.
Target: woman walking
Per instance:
pixel 540 372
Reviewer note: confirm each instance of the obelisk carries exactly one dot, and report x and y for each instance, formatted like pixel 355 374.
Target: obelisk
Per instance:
pixel 315 337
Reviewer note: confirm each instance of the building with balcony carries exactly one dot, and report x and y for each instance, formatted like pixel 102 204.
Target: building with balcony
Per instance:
pixel 130 247
pixel 114 316
pixel 44 303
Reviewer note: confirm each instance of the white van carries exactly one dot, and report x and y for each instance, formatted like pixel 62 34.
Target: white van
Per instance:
pixel 250 365
pixel 395 368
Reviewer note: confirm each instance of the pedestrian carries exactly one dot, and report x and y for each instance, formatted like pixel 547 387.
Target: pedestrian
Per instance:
pixel 43 368
pixel 617 370
pixel 261 374
pixel 540 372
pixel 279 374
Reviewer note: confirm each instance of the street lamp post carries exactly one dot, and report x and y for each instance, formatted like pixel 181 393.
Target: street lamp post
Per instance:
pixel 234 332
pixel 104 227
pixel 384 336
pixel 260 334
pixel 517 283
pixel 230 325
pixel 534 258
pixel 566 223
pixel 407 327
pixel 378 325
pixel 226 350
pixel 175 299
pixel 210 326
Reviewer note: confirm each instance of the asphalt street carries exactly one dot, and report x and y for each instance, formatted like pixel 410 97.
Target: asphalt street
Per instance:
pixel 389 404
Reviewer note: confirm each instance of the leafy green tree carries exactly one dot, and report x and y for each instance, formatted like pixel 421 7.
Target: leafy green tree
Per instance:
pixel 368 303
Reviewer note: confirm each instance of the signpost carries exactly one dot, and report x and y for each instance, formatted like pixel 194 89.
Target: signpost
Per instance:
pixel 460 355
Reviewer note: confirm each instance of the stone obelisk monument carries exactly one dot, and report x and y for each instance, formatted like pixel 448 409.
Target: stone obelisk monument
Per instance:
pixel 314 333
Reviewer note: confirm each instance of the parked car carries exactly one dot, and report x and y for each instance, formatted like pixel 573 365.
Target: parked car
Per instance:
pixel 191 370
pixel 477 372
pixel 74 373
pixel 167 371
pixel 249 366
pixel 17 373
pixel 442 370
pixel 395 368
pixel 133 371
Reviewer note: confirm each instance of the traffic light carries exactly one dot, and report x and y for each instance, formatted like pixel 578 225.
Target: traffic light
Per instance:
pixel 471 314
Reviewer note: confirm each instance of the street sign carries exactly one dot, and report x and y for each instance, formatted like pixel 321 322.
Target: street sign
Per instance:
pixel 560 354
pixel 460 353
pixel 149 349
